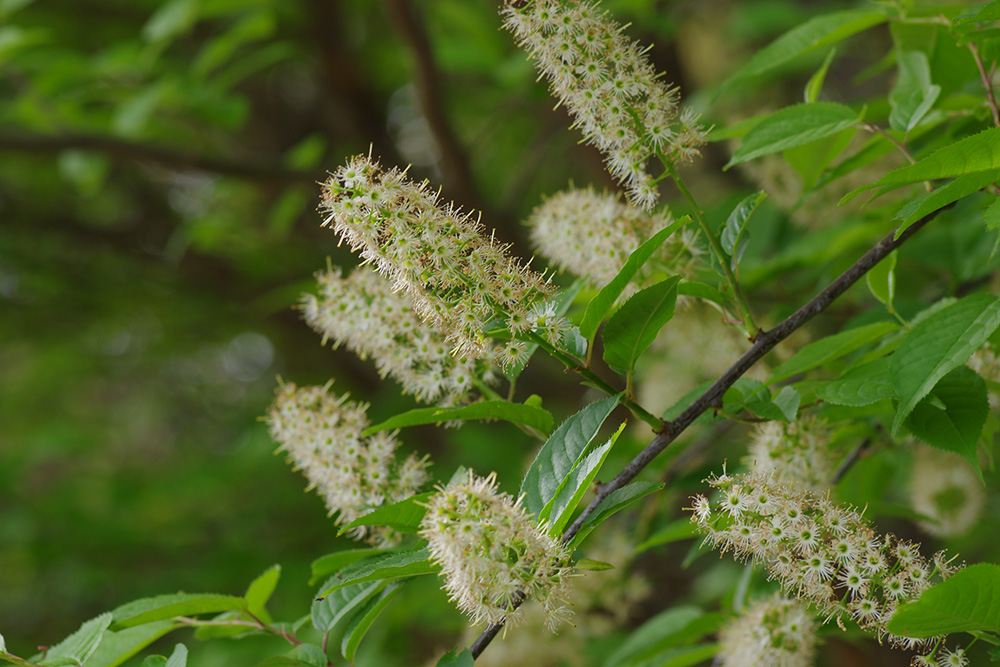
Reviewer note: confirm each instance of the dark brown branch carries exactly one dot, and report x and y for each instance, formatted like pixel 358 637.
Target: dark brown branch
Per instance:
pixel 712 397
pixel 121 149
pixel 454 161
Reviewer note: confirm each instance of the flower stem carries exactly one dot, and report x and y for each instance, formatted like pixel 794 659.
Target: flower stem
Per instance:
pixel 752 330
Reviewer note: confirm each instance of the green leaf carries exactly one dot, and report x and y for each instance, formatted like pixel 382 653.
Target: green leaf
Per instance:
pixel 615 502
pixel 975 154
pixel 457 658
pixel 154 661
pixel 815 83
pixel 827 349
pixel 117 647
pixel 813 34
pixel 330 563
pixel 517 413
pixel 179 657
pixel 634 327
pixel 362 622
pixel 968 601
pixel 686 656
pixel 306 655
pixel 404 516
pixel 654 635
pixel 956 426
pixel 590 565
pixel 163 607
pixel 79 646
pixel 172 19
pixel 863 385
pixel 561 452
pixel 682 529
pixel 260 589
pixel 963 186
pixel 384 568
pixel 734 236
pixel 797 125
pixel 601 304
pixel 701 290
pixel 339 606
pixel 882 279
pixel 938 344
pixel 913 95
pixel 577 483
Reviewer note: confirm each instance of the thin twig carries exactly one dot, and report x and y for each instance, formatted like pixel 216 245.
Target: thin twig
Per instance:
pixel 121 149
pixel 872 127
pixel 987 84
pixel 712 397
pixel 851 459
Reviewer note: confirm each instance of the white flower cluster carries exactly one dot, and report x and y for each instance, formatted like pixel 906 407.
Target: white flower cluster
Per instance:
pixel 614 95
pixel 592 234
pixel 321 434
pixel 458 279
pixel 945 489
pixel 362 312
pixel 773 631
pixel 490 549
pixel 825 554
pixel 986 362
pixel 797 453
pixel 602 601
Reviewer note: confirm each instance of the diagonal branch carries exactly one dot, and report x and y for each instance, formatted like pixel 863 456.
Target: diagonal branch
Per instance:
pixel 712 397
pixel 454 161
pixel 121 149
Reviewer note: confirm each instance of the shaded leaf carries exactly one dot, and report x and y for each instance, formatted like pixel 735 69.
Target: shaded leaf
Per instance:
pixel 362 621
pixel 797 125
pixel 457 658
pixel 734 237
pixel 860 386
pixel 881 279
pixel 394 566
pixel 654 635
pixel 330 563
pixel 336 607
pixel 615 502
pixel 404 516
pixel 829 348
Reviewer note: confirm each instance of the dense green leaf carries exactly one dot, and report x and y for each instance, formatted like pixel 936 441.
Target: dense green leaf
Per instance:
pixel 260 590
pixel 561 452
pixel 634 327
pixel 967 601
pixel 404 516
pixel 972 155
pixel 362 621
pixel 457 658
pixel 815 84
pixel 829 348
pixel 615 502
pixel 163 607
pixel 938 344
pixel 330 563
pixel 517 413
pixel 734 235
pixel 601 304
pixel 797 125
pixel 79 646
pixel 881 279
pixel 338 605
pixel 575 485
pixel 383 568
pixel 859 386
pixel 957 426
pixel 963 186
pixel 813 34
pixel 117 647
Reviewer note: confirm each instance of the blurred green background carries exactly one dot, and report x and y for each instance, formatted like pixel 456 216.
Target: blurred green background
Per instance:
pixel 158 169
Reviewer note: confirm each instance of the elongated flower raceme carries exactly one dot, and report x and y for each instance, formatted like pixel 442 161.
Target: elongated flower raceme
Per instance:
pixel 614 95
pixel 825 554
pixel 490 551
pixel 362 312
pixel 457 278
pixel 592 234
pixel 773 631
pixel 321 433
